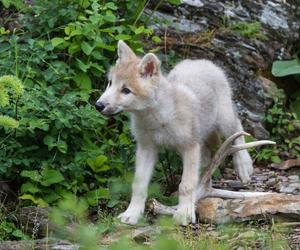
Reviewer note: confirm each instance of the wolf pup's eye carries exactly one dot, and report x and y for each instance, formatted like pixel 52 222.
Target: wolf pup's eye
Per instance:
pixel 126 91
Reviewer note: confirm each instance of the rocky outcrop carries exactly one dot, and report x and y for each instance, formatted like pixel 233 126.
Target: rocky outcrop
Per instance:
pixel 243 37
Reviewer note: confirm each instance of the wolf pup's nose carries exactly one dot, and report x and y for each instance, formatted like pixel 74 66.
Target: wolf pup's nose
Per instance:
pixel 99 106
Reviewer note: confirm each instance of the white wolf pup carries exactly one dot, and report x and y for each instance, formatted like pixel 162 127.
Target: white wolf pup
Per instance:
pixel 183 110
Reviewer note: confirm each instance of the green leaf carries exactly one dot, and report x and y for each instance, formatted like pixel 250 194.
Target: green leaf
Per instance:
pixel 175 2
pixel 275 159
pixel 84 67
pixel 50 141
pixel 156 39
pixel 110 17
pixel 105 46
pixel 83 81
pixel 123 37
pixel 285 68
pixel 38 201
pixel 4 47
pixel 98 67
pixel 94 196
pixel 62 146
pixel 57 41
pixel 74 48
pixel 86 48
pixel 6 3
pixel 29 187
pixel 111 5
pixel 295 107
pixel 98 164
pixel 51 176
pixel 32 175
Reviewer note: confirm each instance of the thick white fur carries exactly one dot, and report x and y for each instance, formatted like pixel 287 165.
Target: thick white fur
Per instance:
pixel 184 111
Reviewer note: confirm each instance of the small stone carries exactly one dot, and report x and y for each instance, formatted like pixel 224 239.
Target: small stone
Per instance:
pixel 283 178
pixel 271 181
pixel 293 178
pixel 236 185
pixel 261 178
pixel 290 188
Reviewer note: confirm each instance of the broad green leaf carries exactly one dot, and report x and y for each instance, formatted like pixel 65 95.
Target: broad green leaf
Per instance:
pixel 176 2
pixel 295 107
pixel 84 67
pixel 285 68
pixel 156 39
pixel 74 48
pixel 50 141
pixel 110 17
pixel 98 164
pixel 94 196
pixel 86 48
pixel 4 47
pixel 83 81
pixel 122 37
pixel 29 187
pixel 62 146
pixel 51 176
pixel 6 3
pixel 37 201
pixel 111 5
pixel 98 67
pixel 32 175
pixel 275 159
pixel 105 46
pixel 57 41
pixel 139 30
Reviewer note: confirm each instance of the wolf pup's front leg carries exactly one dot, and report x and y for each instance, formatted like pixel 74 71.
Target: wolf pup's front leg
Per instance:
pixel 187 189
pixel 145 160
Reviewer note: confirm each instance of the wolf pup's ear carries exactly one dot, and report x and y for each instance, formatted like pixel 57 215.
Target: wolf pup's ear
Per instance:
pixel 150 65
pixel 124 52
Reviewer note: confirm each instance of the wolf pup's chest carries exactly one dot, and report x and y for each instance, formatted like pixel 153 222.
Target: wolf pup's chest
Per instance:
pixel 163 134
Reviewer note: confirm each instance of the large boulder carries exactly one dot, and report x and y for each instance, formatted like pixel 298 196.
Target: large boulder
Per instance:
pixel 243 37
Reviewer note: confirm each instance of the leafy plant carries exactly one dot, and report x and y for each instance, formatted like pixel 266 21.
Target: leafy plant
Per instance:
pixel 283 126
pixel 18 4
pixel 10 88
pixel 249 30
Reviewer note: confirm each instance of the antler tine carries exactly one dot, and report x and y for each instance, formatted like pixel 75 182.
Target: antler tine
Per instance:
pixel 235 148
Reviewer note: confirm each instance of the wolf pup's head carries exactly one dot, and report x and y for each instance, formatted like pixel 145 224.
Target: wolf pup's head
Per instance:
pixel 131 83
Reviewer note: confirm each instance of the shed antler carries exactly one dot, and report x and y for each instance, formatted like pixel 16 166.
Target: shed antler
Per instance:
pixel 205 188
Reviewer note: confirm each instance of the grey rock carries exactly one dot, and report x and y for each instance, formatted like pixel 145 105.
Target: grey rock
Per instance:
pixel 293 178
pixel 291 188
pixel 271 181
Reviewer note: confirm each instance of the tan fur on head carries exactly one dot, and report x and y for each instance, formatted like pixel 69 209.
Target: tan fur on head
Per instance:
pixel 140 75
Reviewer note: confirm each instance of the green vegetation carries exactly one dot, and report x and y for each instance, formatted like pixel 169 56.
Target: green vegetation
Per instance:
pixel 249 30
pixel 10 88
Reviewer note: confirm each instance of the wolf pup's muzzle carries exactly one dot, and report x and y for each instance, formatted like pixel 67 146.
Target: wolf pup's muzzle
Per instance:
pixel 99 106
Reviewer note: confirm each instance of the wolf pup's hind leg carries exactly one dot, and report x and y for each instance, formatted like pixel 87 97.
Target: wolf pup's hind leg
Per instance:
pixel 228 124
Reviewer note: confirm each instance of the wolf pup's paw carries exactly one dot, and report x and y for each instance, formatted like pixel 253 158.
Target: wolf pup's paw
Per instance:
pixel 185 215
pixel 130 216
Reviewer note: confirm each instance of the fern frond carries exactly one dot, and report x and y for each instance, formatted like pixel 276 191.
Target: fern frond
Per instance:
pixel 8 122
